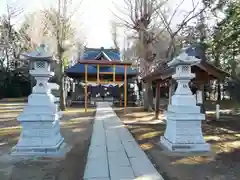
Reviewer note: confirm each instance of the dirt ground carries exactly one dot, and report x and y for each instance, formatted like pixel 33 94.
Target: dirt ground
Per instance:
pixel 223 163
pixel 76 128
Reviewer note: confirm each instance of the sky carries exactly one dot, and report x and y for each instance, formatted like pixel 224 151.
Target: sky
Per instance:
pixel 93 17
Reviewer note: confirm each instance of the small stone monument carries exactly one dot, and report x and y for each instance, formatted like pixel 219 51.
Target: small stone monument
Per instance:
pixel 183 132
pixel 40 134
pixel 136 93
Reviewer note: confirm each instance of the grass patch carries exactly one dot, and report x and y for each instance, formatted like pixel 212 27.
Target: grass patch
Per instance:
pixel 21 99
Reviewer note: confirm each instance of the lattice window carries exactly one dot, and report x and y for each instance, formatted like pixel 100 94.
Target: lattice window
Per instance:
pixel 40 64
pixel 185 68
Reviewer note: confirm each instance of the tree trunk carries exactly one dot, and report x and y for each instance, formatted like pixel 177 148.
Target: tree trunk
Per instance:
pixel 157 102
pixel 202 106
pixel 61 85
pixel 172 89
pixel 150 96
pixel 146 86
pixel 62 95
pixel 147 96
pixel 219 90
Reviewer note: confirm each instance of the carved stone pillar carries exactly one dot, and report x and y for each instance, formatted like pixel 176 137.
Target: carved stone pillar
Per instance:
pixel 40 134
pixel 183 132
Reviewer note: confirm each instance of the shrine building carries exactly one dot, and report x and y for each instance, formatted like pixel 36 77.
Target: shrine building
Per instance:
pixel 204 73
pixel 103 71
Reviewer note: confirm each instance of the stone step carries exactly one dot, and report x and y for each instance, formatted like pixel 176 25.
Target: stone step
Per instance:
pixel 183 109
pixel 184 116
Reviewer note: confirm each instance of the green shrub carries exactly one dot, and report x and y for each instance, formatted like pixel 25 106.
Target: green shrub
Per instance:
pixel 14 84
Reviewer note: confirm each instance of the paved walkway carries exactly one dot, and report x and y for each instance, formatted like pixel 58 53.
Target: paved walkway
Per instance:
pixel 114 154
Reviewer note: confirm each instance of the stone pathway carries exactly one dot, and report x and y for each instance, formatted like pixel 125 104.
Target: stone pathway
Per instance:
pixel 114 154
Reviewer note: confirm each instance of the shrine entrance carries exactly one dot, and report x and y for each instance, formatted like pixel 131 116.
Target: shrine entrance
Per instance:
pixel 105 77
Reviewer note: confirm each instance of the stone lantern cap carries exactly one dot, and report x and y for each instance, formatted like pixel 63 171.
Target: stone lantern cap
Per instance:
pixel 40 54
pixel 187 56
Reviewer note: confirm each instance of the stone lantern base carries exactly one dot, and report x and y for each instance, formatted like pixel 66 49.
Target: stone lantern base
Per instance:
pixel 183 132
pixel 184 147
pixel 40 134
pixel 55 151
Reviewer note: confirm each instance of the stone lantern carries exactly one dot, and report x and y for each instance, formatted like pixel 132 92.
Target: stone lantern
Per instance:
pixel 183 132
pixel 40 134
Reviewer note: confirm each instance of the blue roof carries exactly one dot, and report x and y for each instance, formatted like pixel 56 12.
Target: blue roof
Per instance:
pixel 80 68
pixel 93 54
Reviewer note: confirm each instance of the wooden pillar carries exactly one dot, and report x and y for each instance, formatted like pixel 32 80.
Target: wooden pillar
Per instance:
pixel 120 99
pixel 98 70
pixel 125 87
pixel 203 93
pixel 86 84
pixel 203 98
pixel 157 102
pixel 114 73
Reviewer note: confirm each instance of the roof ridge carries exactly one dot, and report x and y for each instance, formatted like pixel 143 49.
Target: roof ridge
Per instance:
pixel 102 49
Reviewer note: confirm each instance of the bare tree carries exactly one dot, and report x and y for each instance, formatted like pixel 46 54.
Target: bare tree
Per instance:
pixel 34 28
pixel 12 38
pixel 190 15
pixel 59 26
pixel 144 17
pixel 140 15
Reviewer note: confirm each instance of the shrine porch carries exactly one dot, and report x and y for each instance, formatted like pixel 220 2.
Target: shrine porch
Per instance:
pixel 114 154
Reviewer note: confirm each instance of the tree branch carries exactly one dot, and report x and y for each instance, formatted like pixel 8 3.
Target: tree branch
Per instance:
pixel 184 22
